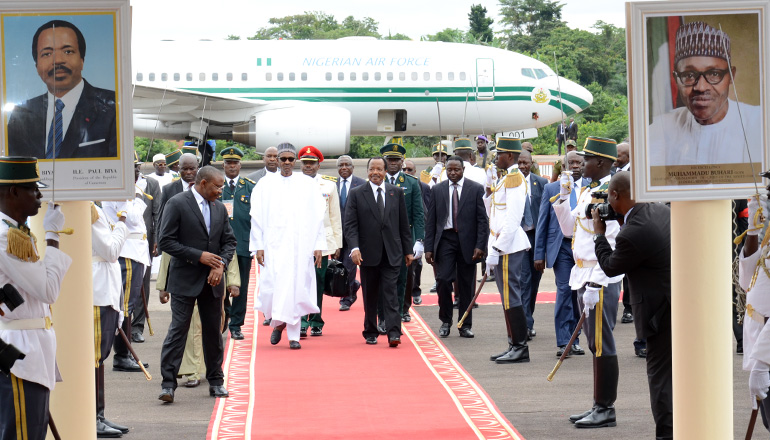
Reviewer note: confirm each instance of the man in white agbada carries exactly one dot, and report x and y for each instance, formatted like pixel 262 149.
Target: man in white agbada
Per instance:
pixel 708 129
pixel 288 236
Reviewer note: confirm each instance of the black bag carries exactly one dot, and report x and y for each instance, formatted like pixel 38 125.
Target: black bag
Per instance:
pixel 336 284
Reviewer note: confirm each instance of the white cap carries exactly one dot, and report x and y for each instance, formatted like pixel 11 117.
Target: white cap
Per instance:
pixel 158 157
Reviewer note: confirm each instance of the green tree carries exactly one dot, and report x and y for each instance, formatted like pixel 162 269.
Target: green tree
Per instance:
pixel 527 22
pixel 145 153
pixel 315 26
pixel 447 35
pixel 480 24
pixel 398 36
pixel 233 37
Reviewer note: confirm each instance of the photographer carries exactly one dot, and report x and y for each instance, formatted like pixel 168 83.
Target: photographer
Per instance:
pixel 643 252
pixel 24 395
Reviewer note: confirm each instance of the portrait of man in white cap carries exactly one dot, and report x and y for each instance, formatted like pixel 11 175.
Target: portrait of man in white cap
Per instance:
pixel 707 125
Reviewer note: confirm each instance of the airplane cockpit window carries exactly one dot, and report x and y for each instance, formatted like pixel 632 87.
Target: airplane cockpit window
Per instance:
pixel 202 76
pixel 176 77
pixel 462 76
pixel 540 73
pixel 291 76
pixel 279 76
pixel 390 76
pixel 450 76
pixel 164 76
pixel 244 76
pixel 414 76
pixel 365 76
pixel 303 77
pixel 352 76
pixel 229 76
pixel 328 76
pixel 528 72
pixel 426 76
pixel 268 76
pixel 377 76
pixel 215 77
pixel 402 76
pixel 139 77
pixel 439 76
pixel 152 77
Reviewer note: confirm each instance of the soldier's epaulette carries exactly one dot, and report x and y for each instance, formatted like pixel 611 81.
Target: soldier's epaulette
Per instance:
pixel 409 175
pixel 94 213
pixel 22 244
pixel 425 176
pixel 513 179
pixel 248 180
pixel 176 178
pixel 604 188
pixel 332 178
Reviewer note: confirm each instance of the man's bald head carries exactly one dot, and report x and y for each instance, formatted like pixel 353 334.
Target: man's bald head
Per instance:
pixel 621 182
pixel 188 158
pixel 623 154
pixel 620 193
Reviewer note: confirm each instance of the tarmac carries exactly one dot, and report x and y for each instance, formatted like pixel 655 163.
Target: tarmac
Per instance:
pixel 538 409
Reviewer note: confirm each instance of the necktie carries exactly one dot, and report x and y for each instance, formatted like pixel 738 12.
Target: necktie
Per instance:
pixel 206 215
pixel 343 193
pixel 56 132
pixel 380 204
pixel 573 197
pixel 232 187
pixel 392 180
pixel 455 206
pixel 526 220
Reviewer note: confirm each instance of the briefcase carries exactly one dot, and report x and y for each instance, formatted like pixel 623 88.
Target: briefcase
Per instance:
pixel 336 284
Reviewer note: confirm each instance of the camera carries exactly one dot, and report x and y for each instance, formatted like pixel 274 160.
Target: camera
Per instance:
pixel 8 353
pixel 604 209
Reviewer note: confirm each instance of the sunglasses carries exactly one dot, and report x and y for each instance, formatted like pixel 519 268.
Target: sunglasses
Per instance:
pixel 287 159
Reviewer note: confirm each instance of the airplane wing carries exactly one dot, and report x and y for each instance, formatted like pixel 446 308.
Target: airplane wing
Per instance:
pixel 175 105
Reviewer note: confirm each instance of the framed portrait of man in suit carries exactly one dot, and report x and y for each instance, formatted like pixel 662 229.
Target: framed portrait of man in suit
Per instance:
pixel 697 98
pixel 65 72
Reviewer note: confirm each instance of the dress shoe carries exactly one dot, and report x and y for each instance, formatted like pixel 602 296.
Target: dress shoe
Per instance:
pixel 137 337
pixel 237 335
pixel 444 330
pixel 275 337
pixel 577 350
pixel 267 321
pixel 192 383
pixel 466 333
pixel 344 307
pixel 371 340
pixel 303 332
pixel 519 353
pixel 406 317
pixel 145 364
pixel 294 345
pixel 739 347
pixel 120 363
pixel 417 300
pixel 121 428
pixel 381 328
pixel 560 351
pixel 167 395
pixel 104 431
pixel 475 305
pixel 494 357
pixel 490 278
pixel 575 417
pixel 393 342
pixel 434 288
pixel 316 331
pixel 641 352
pixel 627 318
pixel 219 391
pixel 601 417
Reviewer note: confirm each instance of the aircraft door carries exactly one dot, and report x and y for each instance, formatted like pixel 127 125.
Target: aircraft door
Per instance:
pixel 485 78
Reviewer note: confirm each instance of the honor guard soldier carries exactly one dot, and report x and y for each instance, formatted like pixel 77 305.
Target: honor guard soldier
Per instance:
pixel 24 395
pixel 598 294
pixel 311 159
pixel 437 173
pixel 172 162
pixel 484 155
pixel 507 247
pixel 236 196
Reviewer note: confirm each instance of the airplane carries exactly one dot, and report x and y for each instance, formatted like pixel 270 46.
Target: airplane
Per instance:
pixel 320 92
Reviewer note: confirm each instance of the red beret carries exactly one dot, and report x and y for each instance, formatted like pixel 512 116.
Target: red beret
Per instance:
pixel 311 153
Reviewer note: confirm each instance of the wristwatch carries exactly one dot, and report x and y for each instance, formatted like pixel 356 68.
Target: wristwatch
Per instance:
pixel 596 236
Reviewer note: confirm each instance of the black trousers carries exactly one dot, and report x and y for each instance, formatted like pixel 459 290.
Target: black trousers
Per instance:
pixel 132 273
pixel 659 379
pixel 416 291
pixel 137 324
pixel 530 281
pixel 380 282
pixel 238 304
pixel 24 402
pixel 210 310
pixel 352 282
pixel 105 324
pixel 450 266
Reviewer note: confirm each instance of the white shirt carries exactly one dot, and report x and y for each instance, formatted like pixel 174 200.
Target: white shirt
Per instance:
pixel 625 167
pixel 391 179
pixel 345 183
pixel 70 101
pixel 234 180
pixel 460 182
pixel 163 180
pixel 374 191
pixel 474 174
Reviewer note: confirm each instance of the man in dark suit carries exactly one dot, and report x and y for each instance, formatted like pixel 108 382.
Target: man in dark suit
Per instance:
pixel 530 277
pixel 196 232
pixel 73 119
pixel 456 233
pixel 345 183
pixel 643 252
pixel 151 195
pixel 271 165
pixel 572 130
pixel 411 169
pixel 553 249
pixel 377 231
pixel 561 135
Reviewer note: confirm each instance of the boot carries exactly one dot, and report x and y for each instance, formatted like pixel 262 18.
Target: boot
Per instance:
pixel 510 340
pixel 100 407
pixel 518 324
pixel 606 393
pixel 575 417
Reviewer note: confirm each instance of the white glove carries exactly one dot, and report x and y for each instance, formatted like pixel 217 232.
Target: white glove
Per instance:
pixel 591 297
pixel 120 323
pixel 757 209
pixel 436 171
pixel 565 183
pixel 759 382
pixel 418 250
pixel 491 264
pixel 491 176
pixel 53 221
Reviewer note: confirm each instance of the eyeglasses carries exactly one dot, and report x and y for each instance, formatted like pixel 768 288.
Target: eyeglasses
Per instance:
pixel 691 77
pixel 287 159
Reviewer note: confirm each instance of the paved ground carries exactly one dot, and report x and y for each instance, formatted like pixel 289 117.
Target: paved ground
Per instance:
pixel 536 407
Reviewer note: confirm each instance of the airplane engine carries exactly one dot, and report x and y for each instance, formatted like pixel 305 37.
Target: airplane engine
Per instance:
pixel 325 127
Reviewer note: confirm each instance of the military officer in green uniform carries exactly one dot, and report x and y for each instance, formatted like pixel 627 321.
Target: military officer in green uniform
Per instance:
pixel 394 158
pixel 236 196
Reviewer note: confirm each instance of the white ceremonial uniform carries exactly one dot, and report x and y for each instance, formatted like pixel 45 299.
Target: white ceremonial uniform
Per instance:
pixel 332 216
pixel 165 179
pixel 106 243
pixel 754 279
pixel 135 247
pixel 439 173
pixel 475 174
pixel 506 205
pixel 39 284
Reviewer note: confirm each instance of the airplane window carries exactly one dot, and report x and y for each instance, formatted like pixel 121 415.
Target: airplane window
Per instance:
pixel 377 76
pixel 402 76
pixel 215 76
pixel 328 76
pixel 279 76
pixel 340 76
pixel 303 77
pixel 540 73
pixel 139 77
pixel 365 76
pixel 426 76
pixel 176 77
pixel 152 77
pixel 390 76
pixel 202 76
pixel 462 76
pixel 244 76
pixel 352 76
pixel 439 76
pixel 268 76
pixel 450 76
pixel 164 76
pixel 291 76
pixel 414 76
pixel 229 76
pixel 188 77
pixel 527 72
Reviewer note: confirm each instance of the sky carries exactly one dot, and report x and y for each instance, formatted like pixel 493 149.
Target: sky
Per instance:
pixel 197 19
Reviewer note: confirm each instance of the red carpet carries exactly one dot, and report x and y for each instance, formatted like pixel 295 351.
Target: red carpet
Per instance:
pixel 337 387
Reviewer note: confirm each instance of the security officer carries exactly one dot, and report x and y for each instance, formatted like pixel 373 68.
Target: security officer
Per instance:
pixel 507 247
pixel 598 294
pixel 172 162
pixel 24 395
pixel 311 159
pixel 394 161
pixel 236 198
pixel 436 173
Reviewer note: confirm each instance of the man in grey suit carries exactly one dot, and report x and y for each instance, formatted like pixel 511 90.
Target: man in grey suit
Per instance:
pixel 196 232
pixel 345 183
pixel 271 165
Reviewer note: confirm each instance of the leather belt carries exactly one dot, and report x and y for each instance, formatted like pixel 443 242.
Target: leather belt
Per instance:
pixel 583 263
pixel 756 316
pixel 137 236
pixel 27 324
